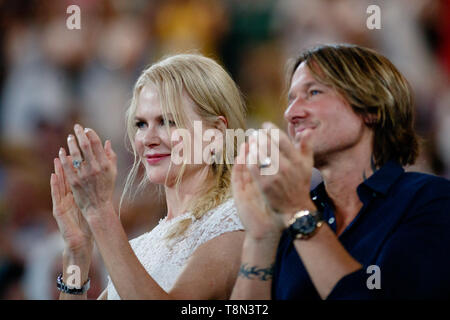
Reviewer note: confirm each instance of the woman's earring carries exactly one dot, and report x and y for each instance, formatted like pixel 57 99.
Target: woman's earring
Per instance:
pixel 216 156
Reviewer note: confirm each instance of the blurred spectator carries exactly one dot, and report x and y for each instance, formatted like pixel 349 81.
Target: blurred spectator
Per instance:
pixel 52 77
pixel 250 24
pixel 10 281
pixel 183 25
pixel 44 263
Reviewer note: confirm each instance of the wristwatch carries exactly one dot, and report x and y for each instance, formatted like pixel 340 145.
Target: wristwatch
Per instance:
pixel 304 224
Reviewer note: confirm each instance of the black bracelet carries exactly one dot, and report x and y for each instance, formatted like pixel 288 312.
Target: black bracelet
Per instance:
pixel 71 290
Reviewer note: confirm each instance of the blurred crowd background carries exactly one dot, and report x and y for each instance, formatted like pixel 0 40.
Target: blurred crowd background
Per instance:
pixel 52 77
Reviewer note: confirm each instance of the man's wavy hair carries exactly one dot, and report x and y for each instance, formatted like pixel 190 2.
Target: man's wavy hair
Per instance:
pixel 375 89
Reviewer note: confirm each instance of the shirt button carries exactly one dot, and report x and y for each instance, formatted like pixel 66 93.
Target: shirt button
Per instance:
pixel 374 194
pixel 331 220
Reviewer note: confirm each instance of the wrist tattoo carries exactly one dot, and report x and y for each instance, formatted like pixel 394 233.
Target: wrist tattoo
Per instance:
pixel 255 273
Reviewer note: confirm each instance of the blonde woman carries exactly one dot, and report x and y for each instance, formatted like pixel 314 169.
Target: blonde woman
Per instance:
pixel 194 252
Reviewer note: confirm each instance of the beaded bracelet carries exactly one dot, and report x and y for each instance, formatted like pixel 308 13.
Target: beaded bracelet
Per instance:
pixel 71 290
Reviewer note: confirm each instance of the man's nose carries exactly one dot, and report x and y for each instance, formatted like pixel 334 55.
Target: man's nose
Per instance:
pixel 295 110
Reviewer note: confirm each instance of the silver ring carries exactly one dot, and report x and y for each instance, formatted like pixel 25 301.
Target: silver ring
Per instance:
pixel 265 163
pixel 77 164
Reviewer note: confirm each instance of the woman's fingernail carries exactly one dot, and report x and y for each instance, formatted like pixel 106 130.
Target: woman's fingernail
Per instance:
pixel 69 137
pixel 86 130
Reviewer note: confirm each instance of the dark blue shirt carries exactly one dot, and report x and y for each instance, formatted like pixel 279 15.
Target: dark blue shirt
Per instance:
pixel 403 228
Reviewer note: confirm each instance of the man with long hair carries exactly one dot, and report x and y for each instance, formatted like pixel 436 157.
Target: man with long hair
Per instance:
pixel 369 230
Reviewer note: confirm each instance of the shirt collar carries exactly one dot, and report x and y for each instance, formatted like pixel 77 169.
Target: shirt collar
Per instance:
pixel 380 182
pixel 384 178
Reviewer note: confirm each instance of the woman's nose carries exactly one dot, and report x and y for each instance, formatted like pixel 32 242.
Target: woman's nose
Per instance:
pixel 152 137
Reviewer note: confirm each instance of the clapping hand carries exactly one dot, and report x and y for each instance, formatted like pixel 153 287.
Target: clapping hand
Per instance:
pixel 259 220
pixel 287 191
pixel 71 223
pixel 92 183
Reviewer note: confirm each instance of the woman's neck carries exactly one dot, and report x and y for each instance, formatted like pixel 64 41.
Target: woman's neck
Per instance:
pixel 178 199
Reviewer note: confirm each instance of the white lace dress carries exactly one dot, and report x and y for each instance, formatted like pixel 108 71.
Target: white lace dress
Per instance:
pixel 164 259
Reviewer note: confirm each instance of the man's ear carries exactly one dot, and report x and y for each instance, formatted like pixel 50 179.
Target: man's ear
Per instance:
pixel 370 119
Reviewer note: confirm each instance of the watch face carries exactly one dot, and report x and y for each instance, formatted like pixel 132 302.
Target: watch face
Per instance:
pixel 305 225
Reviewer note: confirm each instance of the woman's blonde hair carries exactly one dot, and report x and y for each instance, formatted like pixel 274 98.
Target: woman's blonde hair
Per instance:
pixel 375 89
pixel 214 94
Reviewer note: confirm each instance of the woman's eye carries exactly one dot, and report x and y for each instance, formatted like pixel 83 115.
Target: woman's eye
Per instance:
pixel 139 124
pixel 170 123
pixel 314 92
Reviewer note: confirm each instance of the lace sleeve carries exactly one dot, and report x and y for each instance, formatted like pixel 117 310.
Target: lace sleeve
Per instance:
pixel 220 220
